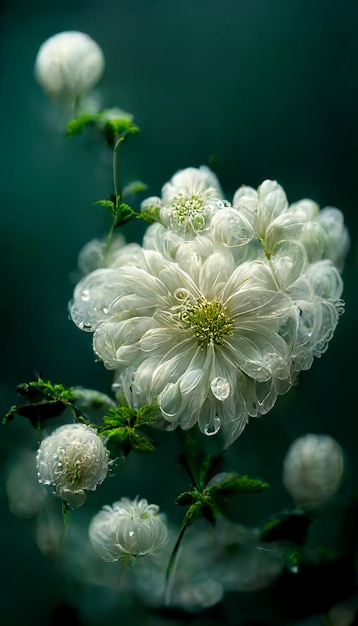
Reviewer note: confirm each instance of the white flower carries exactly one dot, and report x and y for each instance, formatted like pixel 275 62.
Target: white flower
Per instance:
pixel 127 528
pixel 72 459
pixel 68 65
pixel 267 213
pixel 196 340
pixel 312 469
pixel 188 202
pixel 95 254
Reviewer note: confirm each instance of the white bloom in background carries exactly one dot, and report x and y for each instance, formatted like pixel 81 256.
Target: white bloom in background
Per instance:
pixel 26 496
pixel 312 469
pixel 188 201
pixel 68 65
pixel 127 528
pixel 73 460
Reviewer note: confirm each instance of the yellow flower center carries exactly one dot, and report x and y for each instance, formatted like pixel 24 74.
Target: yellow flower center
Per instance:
pixel 186 206
pixel 208 320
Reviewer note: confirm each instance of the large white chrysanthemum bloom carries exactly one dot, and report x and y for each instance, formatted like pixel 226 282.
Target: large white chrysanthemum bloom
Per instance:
pixel 188 201
pixel 68 65
pixel 128 528
pixel 196 339
pixel 72 460
pixel 312 469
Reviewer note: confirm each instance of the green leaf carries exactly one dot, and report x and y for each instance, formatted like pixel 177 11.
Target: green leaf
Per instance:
pixel 233 486
pixel 119 416
pixel 77 125
pixel 44 400
pixel 108 204
pixel 141 443
pixel 288 526
pixel 193 513
pixel 146 414
pixel 123 214
pixel 119 127
pixel 186 498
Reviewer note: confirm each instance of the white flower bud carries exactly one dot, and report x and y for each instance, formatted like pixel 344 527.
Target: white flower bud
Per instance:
pixel 73 459
pixel 312 469
pixel 68 65
pixel 128 528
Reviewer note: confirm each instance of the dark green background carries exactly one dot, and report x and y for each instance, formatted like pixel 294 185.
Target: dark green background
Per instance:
pixel 270 88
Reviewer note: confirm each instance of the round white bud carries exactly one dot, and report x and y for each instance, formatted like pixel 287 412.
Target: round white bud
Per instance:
pixel 73 459
pixel 312 469
pixel 127 528
pixel 68 65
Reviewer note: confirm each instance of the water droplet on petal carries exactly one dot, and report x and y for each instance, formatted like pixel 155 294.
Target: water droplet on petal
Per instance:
pixel 105 310
pixel 220 387
pixel 85 295
pixel 212 427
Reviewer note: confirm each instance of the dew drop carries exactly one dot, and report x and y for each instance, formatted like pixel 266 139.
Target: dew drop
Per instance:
pixel 85 295
pixel 212 427
pixel 105 310
pixel 220 388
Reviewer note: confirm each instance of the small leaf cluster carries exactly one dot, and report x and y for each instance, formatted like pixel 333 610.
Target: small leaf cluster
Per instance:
pixel 111 128
pixel 123 426
pixel 43 400
pixel 121 212
pixel 209 501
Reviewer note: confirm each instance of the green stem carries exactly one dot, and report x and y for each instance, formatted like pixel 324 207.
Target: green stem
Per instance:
pixel 115 167
pixel 117 194
pixel 173 561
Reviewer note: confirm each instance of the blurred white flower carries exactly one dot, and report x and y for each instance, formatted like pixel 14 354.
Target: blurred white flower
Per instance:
pixel 26 496
pixel 72 459
pixel 95 254
pixel 312 469
pixel 127 528
pixel 68 65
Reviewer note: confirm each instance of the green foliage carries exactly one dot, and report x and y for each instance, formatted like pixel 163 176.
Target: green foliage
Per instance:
pixel 121 212
pixel 78 124
pixel 116 128
pixel 123 427
pixel 43 400
pixel 111 128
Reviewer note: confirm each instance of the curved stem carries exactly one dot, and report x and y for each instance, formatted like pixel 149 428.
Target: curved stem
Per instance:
pixel 115 167
pixel 173 561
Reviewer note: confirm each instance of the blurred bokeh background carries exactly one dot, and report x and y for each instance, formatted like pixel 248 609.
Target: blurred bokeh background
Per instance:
pixel 259 89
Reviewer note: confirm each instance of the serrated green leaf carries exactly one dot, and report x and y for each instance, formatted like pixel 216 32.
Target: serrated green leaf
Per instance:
pixel 119 416
pixel 146 414
pixel 107 204
pixel 118 435
pixel 233 486
pixel 123 214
